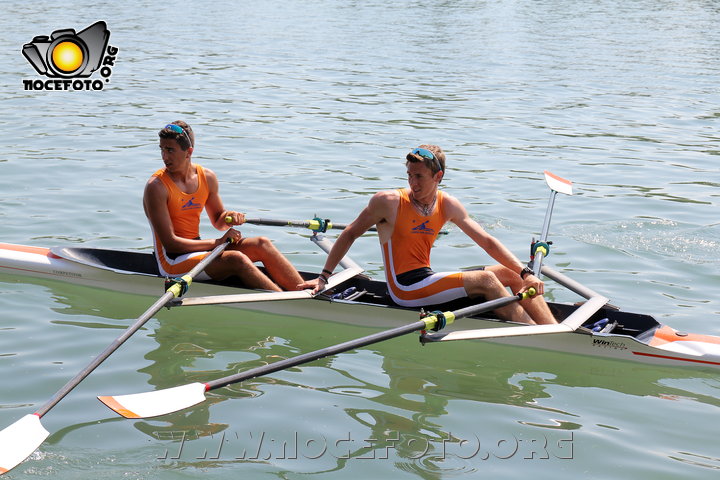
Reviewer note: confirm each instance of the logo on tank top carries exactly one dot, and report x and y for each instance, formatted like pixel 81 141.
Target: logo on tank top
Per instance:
pixel 423 229
pixel 191 205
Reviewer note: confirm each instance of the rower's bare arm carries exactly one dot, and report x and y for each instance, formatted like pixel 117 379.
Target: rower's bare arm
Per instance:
pixel 220 218
pixel 499 252
pixel 458 215
pixel 375 213
pixel 214 206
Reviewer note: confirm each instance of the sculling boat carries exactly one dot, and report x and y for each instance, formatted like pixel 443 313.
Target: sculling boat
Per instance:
pixel 592 328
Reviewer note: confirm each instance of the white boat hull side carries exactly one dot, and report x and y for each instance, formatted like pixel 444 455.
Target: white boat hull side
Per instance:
pixel 18 260
pixel 614 346
pixel 39 262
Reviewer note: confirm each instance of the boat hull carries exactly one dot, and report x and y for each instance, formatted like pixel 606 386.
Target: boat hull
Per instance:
pixel 640 338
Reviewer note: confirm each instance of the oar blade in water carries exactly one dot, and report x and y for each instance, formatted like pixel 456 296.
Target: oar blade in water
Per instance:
pixel 19 440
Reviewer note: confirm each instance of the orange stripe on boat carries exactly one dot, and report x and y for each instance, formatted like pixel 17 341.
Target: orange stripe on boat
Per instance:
pixel 115 405
pixel 26 249
pixel 665 334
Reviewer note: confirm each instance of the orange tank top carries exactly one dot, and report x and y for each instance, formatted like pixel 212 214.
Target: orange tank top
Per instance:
pixel 185 208
pixel 413 236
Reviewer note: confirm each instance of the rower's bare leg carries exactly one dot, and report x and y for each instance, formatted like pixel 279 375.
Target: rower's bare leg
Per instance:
pixel 279 268
pixel 233 262
pixel 535 306
pixel 485 283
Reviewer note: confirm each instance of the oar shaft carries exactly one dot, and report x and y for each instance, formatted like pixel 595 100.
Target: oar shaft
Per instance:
pixel 311 224
pixel 316 355
pixel 539 255
pixel 105 354
pixel 548 217
pixel 154 308
pixel 202 264
pixel 489 305
pixel 557 185
pixel 425 323
pixel 278 223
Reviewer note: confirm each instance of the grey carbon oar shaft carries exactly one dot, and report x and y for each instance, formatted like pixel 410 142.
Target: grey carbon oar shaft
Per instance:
pixel 426 323
pixel 171 293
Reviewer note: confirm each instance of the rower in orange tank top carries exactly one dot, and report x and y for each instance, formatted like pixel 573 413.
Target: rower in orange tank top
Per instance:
pixel 406 255
pixel 184 209
pixel 408 221
pixel 174 199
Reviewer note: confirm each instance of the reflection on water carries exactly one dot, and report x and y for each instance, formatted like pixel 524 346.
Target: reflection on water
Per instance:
pixel 396 400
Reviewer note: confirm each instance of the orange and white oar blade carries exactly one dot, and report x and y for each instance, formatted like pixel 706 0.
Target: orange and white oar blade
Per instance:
pixel 558 184
pixel 159 402
pixel 20 440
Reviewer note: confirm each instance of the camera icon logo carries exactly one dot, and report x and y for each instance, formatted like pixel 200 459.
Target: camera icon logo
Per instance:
pixel 68 54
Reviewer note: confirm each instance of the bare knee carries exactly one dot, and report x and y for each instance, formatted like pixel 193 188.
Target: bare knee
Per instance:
pixel 485 277
pixel 259 248
pixel 231 262
pixel 482 282
pixel 239 260
pixel 507 277
pixel 265 244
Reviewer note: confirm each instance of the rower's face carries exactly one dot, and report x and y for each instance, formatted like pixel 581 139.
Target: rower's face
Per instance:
pixel 172 155
pixel 421 179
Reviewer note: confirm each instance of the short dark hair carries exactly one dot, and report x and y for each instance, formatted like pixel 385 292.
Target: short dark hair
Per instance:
pixel 185 139
pixel 431 164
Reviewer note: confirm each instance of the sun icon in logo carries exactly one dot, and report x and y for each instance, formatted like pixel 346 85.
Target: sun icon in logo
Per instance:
pixel 67 56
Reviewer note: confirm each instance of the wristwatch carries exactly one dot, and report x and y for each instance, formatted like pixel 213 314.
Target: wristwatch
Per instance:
pixel 525 272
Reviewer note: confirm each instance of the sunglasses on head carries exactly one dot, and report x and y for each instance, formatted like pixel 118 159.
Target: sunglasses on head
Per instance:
pixel 178 129
pixel 427 154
